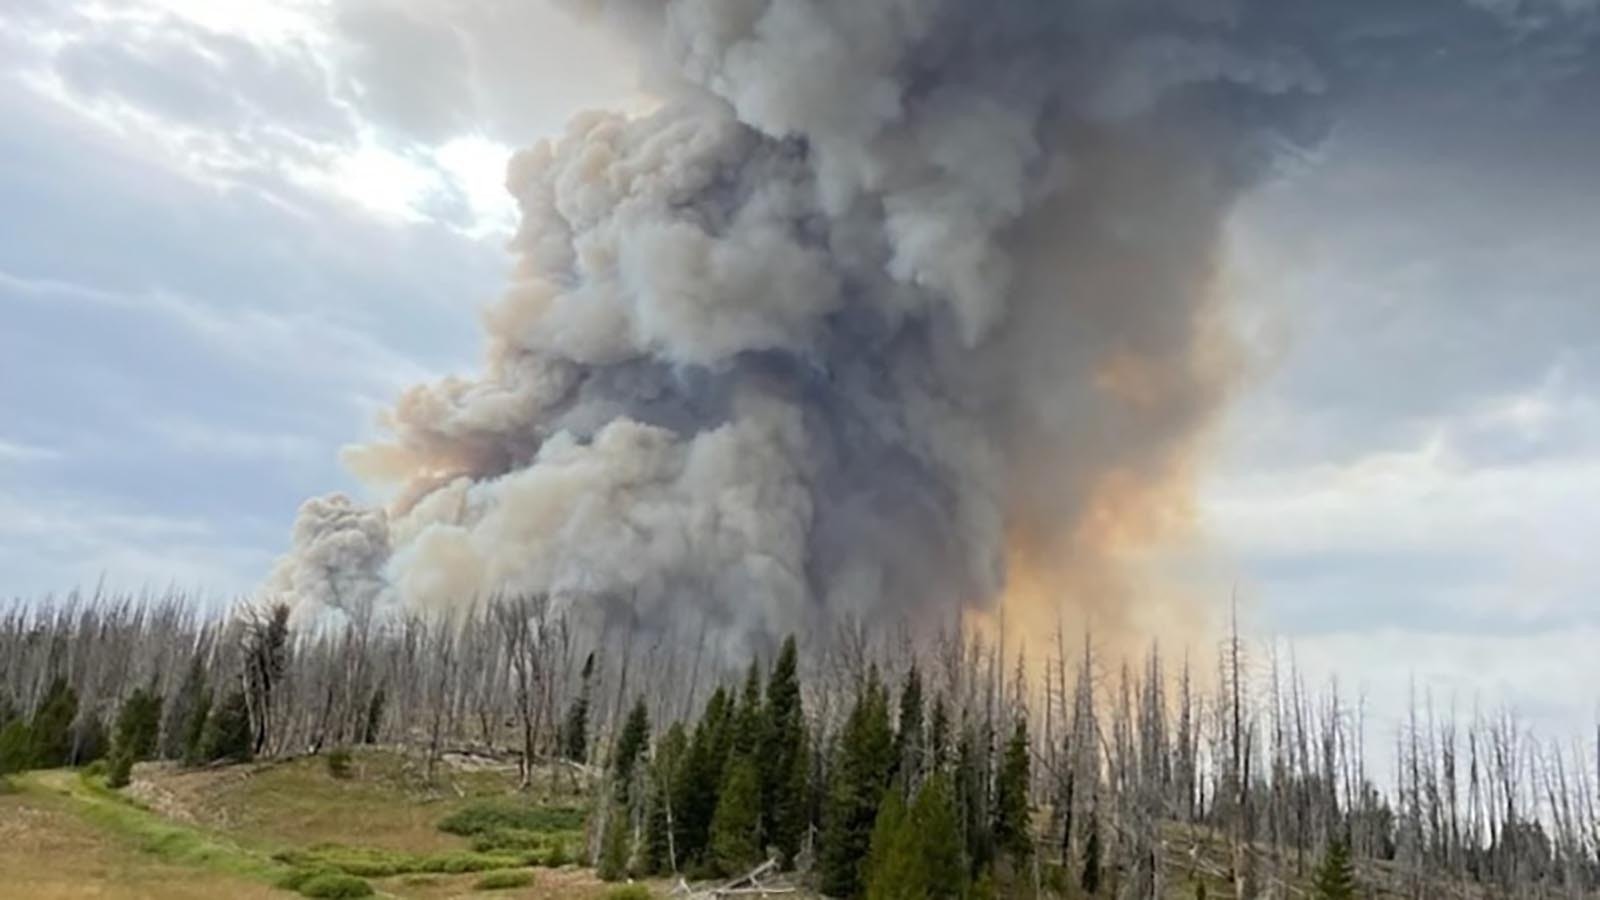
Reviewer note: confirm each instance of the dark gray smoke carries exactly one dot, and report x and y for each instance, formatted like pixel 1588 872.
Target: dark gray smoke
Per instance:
pixel 888 302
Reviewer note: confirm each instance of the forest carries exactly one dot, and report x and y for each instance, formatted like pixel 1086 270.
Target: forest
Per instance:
pixel 863 763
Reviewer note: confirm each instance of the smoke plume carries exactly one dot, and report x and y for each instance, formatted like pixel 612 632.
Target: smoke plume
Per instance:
pixel 890 308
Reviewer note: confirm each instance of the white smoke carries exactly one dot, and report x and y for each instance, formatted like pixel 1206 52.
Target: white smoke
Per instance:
pixel 885 296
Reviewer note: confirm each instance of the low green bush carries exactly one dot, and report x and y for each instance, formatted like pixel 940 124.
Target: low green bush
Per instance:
pixel 334 886
pixel 338 763
pixel 629 892
pixel 490 815
pixel 503 880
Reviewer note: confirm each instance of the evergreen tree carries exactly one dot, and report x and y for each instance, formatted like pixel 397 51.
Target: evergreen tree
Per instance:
pixel 972 793
pixel 16 747
pixel 139 725
pixel 575 729
pixel 50 732
pixel 374 718
pixel 181 710
pixel 864 758
pixel 196 728
pixel 909 738
pixel 1091 857
pixel 1336 876
pixel 660 853
pixel 1013 831
pixel 916 853
pixel 227 733
pixel 892 858
pixel 613 862
pixel 783 759
pixel 747 721
pixel 936 823
pixel 632 743
pixel 694 793
pixel 938 736
pixel 89 740
pixel 735 840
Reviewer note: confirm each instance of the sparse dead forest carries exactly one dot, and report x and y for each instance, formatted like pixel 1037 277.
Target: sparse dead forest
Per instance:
pixel 878 765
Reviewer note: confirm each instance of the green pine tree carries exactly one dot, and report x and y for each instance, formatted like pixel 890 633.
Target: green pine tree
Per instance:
pixel 1336 876
pixel 50 732
pixel 1091 857
pixel 695 786
pixel 892 858
pixel 916 853
pixel 938 736
pixel 575 729
pixel 659 851
pixel 864 758
pixel 138 725
pixel 1013 828
pixel 227 733
pixel 937 825
pixel 909 737
pixel 374 718
pixel 16 747
pixel 735 841
pixel 783 761
pixel 632 743
pixel 614 845
pixel 196 727
pixel 182 708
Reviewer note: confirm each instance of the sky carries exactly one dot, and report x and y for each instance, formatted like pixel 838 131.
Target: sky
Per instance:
pixel 232 232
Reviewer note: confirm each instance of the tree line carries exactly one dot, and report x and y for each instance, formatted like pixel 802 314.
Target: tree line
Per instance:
pixel 878 765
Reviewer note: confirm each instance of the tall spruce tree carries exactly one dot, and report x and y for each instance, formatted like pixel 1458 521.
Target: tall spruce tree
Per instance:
pixel 632 743
pixel 892 870
pixel 916 853
pixel 16 747
pixel 1013 829
pixel 783 759
pixel 138 727
pixel 182 708
pixel 694 794
pixel 860 774
pixel 1092 862
pixel 575 728
pixel 909 737
pixel 227 734
pixel 50 735
pixel 735 835
pixel 660 852
pixel 938 830
pixel 938 736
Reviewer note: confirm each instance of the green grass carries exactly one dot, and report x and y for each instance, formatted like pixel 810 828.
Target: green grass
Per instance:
pixel 168 841
pixel 504 880
pixel 629 892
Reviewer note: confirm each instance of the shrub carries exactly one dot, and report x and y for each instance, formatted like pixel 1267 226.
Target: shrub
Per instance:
pixel 504 879
pixel 338 762
pixel 557 856
pixel 628 892
pixel 510 839
pixel 120 772
pixel 488 815
pixel 334 886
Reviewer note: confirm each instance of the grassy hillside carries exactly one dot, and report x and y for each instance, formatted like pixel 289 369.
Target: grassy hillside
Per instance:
pixel 271 830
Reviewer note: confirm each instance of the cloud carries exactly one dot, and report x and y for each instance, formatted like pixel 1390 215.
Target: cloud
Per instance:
pixel 17 452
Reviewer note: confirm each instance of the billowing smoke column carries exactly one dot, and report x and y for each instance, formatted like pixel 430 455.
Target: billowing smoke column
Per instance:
pixel 886 299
